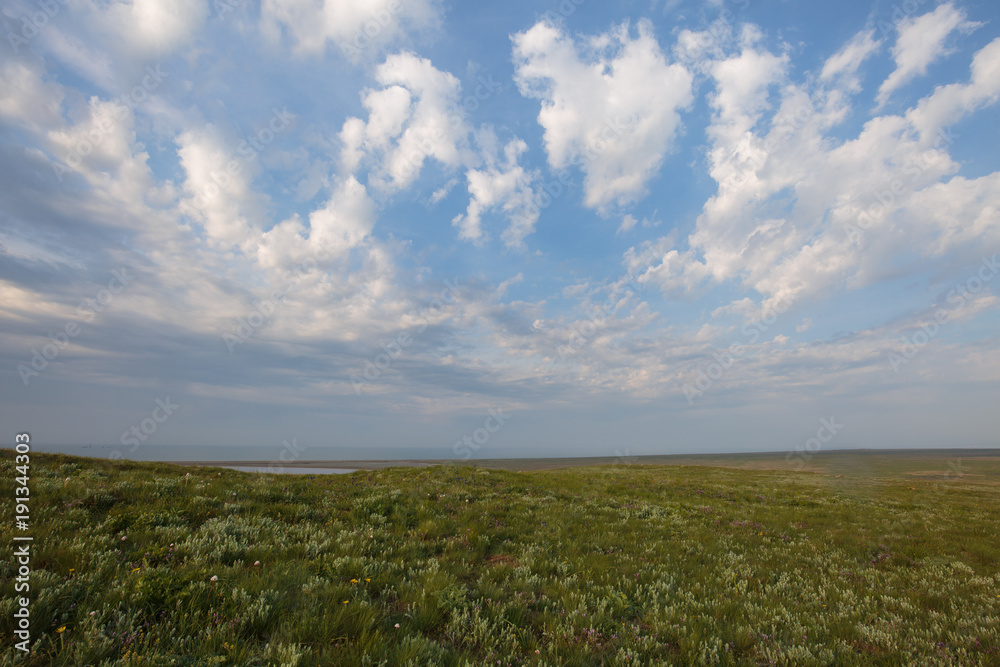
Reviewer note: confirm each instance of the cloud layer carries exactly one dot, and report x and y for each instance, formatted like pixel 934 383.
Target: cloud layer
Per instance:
pixel 649 224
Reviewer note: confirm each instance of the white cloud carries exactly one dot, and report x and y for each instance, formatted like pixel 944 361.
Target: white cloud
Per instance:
pixel 500 184
pixel 791 196
pixel 609 105
pixel 505 285
pixel 628 222
pixel 355 27
pixel 342 224
pixel 845 62
pixel 948 104
pixel 152 27
pixel 444 190
pixel 921 41
pixel 26 99
pixel 412 119
pixel 220 197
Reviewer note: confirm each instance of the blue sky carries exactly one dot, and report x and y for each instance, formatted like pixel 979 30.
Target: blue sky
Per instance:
pixel 624 229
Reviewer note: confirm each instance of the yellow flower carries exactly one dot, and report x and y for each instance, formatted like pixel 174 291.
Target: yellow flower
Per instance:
pixel 370 580
pixel 61 630
pixel 137 569
pixel 345 601
pixel 354 581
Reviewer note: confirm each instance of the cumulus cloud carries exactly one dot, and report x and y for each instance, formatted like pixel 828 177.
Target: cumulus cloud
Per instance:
pixel 152 27
pixel 609 104
pixel 219 184
pixel 846 62
pixel 500 183
pixel 799 213
pixel 949 103
pixel 342 224
pixel 921 41
pixel 628 222
pixel 413 118
pixel 355 27
pixel 804 206
pixel 27 100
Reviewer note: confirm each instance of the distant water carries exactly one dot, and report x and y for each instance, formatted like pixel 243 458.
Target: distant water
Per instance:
pixel 236 454
pixel 281 470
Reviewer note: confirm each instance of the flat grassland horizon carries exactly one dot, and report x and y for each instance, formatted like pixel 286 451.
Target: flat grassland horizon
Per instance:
pixel 942 461
pixel 859 558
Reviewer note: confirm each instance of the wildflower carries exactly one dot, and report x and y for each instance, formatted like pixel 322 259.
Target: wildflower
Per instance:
pixel 61 630
pixel 256 563
pixel 215 577
pixel 345 601
pixel 123 538
pixel 354 581
pixel 93 613
pixel 136 569
pixel 367 579
pixel 397 625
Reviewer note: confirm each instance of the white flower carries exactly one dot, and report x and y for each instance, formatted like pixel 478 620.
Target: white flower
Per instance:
pixel 256 563
pixel 214 578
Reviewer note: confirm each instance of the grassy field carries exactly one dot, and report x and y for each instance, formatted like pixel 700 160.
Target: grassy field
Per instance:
pixel 891 561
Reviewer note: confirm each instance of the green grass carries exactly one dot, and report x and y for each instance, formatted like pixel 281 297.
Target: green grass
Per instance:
pixel 618 565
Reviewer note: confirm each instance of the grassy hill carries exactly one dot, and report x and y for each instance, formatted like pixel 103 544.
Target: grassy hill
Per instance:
pixel 621 564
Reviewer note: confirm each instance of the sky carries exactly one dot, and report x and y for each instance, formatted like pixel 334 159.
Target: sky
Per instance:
pixel 320 229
